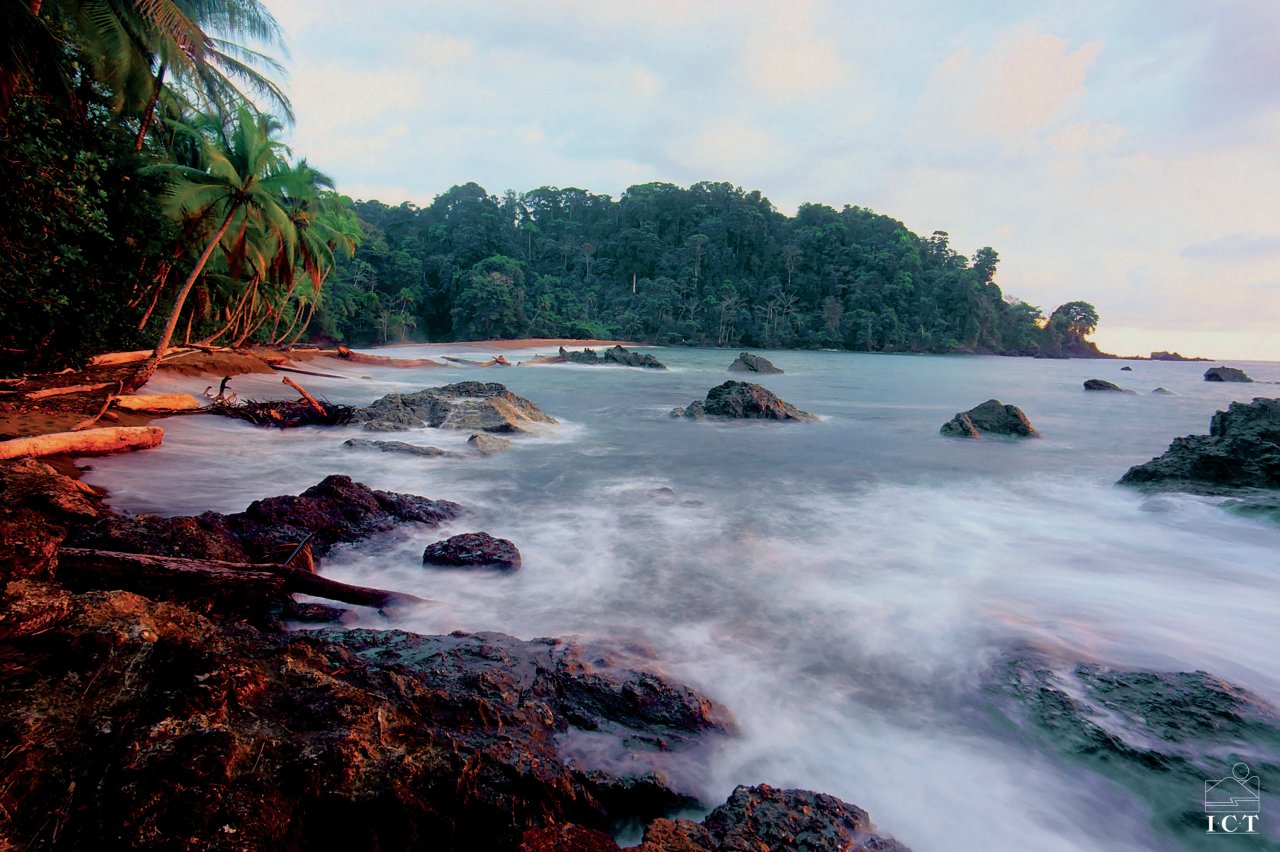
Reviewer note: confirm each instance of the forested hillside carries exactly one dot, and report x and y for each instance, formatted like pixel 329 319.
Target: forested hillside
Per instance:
pixel 711 265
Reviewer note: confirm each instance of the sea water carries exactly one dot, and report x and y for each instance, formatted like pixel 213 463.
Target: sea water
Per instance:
pixel 843 587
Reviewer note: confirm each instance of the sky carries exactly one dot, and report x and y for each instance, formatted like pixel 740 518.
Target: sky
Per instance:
pixel 1121 153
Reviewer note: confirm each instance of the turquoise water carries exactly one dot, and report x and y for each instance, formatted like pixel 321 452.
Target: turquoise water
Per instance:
pixel 843 587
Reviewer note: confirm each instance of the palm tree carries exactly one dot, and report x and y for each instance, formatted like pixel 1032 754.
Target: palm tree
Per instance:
pixel 243 184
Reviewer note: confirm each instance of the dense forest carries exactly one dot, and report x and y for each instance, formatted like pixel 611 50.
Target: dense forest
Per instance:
pixel 709 265
pixel 146 201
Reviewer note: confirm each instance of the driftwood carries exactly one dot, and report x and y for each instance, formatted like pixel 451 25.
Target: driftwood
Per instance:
pixel 284 413
pixel 158 402
pixel 311 400
pixel 63 391
pixel 384 361
pixel 111 359
pixel 495 361
pixel 106 403
pixel 89 442
pixel 210 577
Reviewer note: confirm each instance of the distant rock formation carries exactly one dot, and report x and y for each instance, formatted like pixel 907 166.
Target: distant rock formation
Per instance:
pixel 1225 374
pixel 475 406
pixel 1173 356
pixel 617 355
pixel 1242 450
pixel 742 401
pixel 1103 385
pixel 992 417
pixel 1163 392
pixel 748 363
pixel 473 550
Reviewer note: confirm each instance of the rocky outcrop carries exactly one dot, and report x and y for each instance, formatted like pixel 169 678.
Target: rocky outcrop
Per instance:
pixel 1225 374
pixel 473 550
pixel 335 510
pixel 396 447
pixel 1173 356
pixel 37 506
pixel 488 445
pixel 474 406
pixel 748 363
pixel 742 401
pixel 992 417
pixel 618 356
pixel 1102 385
pixel 1157 733
pixel 1242 450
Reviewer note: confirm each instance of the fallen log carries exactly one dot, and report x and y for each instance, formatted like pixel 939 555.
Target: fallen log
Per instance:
pixel 89 442
pixel 311 400
pixel 157 402
pixel 63 391
pixel 385 361
pixel 106 403
pixel 111 359
pixel 147 573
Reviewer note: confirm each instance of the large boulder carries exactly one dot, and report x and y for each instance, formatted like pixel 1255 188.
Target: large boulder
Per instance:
pixel 992 417
pixel 1225 374
pixel 474 406
pixel 742 401
pixel 37 506
pixel 1242 450
pixel 618 355
pixel 748 363
pixel 473 550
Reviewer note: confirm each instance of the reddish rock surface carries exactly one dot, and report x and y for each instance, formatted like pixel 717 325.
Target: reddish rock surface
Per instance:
pixel 473 550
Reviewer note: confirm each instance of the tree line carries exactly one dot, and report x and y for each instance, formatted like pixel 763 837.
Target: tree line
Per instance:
pixel 710 265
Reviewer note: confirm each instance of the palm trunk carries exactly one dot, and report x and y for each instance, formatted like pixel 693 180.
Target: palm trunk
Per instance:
pixel 149 368
pixel 231 320
pixel 151 107
pixel 311 312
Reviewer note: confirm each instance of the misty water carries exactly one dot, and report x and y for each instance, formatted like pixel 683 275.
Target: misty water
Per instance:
pixel 844 587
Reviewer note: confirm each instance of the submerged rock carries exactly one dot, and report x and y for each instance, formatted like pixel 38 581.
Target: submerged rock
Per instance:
pixel 748 363
pixel 990 418
pixel 473 550
pixel 475 406
pixel 1242 450
pixel 488 445
pixel 742 401
pixel 1163 392
pixel 1225 374
pixel 1103 385
pixel 617 355
pixel 396 447
pixel 1126 369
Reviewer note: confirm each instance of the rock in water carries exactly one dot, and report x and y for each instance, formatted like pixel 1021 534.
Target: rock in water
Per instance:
pixel 1242 450
pixel 617 355
pixel 1162 392
pixel 1102 385
pixel 488 445
pixel 1126 369
pixel 748 363
pixel 1225 374
pixel 742 401
pixel 395 447
pixel 990 418
pixel 476 406
pixel 473 550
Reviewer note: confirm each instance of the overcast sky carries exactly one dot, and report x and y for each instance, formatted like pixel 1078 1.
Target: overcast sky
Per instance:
pixel 1124 153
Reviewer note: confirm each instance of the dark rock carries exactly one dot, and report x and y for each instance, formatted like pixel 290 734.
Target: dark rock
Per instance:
pixel 748 363
pixel 567 837
pixel 1126 369
pixel 472 550
pixel 1157 733
pixel 1225 374
pixel 395 447
pixel 488 445
pixel 990 418
pixel 1163 392
pixel 765 817
pixel 1103 385
pixel 617 355
pixel 312 613
pixel 1173 356
pixel 335 510
pixel 1242 450
pixel 475 406
pixel 742 401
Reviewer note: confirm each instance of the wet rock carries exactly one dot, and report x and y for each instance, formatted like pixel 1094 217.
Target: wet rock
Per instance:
pixel 1163 392
pixel 473 550
pixel 1157 733
pixel 990 418
pixel 617 355
pixel 37 505
pixel 567 837
pixel 742 401
pixel 1242 450
pixel 1225 374
pixel 395 447
pixel 488 445
pixel 313 613
pixel 1126 369
pixel 748 363
pixel 335 510
pixel 475 406
pixel 1103 385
